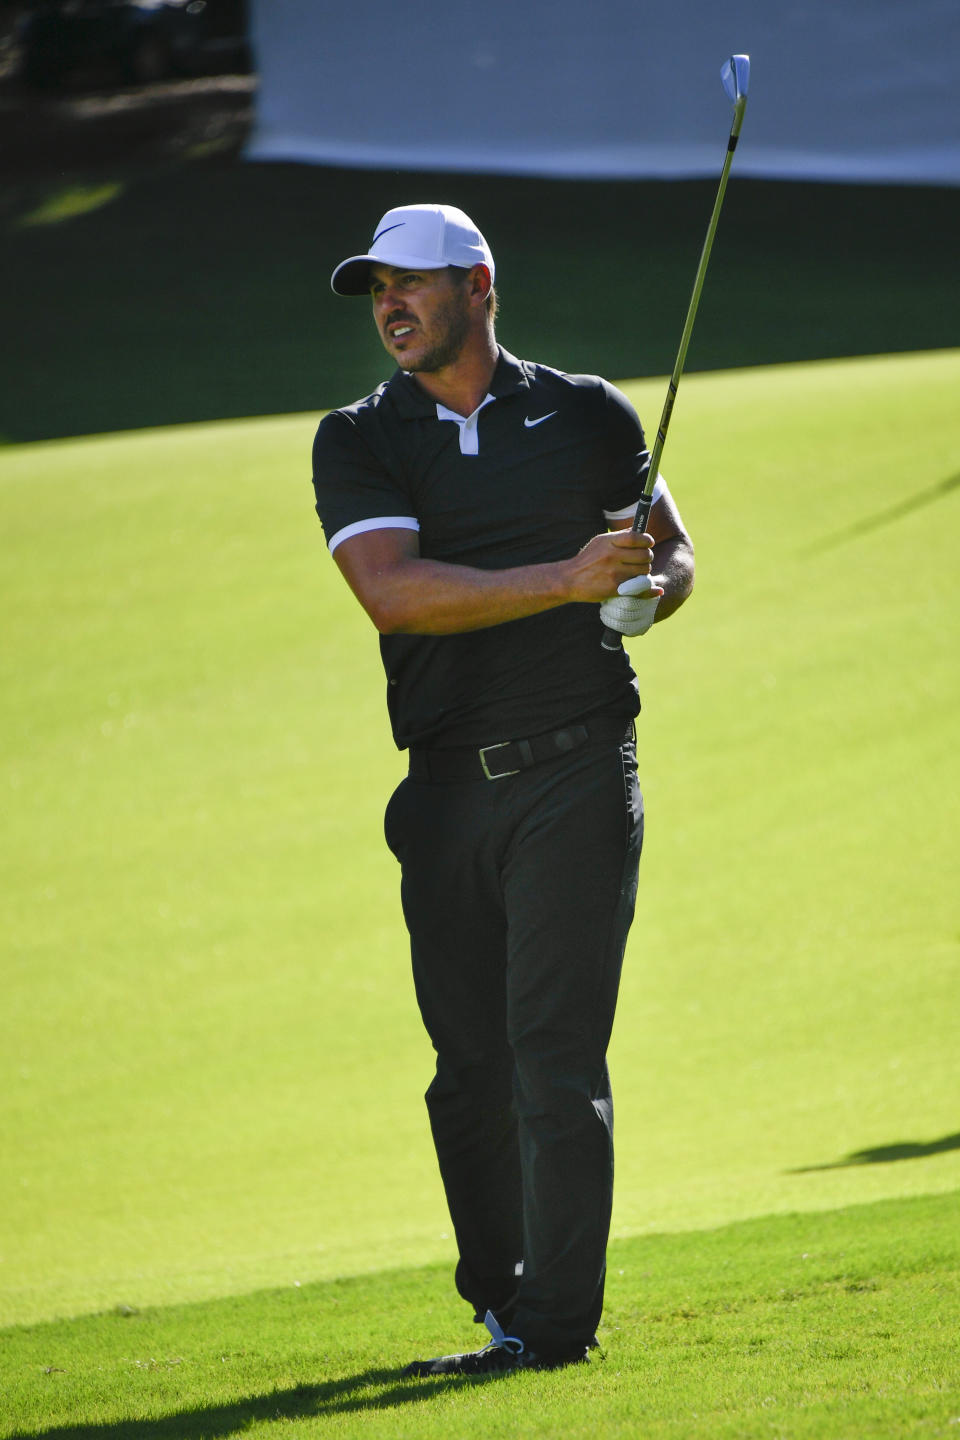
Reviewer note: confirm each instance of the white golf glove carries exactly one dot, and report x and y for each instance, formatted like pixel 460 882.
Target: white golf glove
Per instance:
pixel 632 609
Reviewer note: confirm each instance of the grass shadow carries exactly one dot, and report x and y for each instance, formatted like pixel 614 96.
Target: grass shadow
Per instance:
pixel 889 515
pixel 377 1389
pixel 887 1154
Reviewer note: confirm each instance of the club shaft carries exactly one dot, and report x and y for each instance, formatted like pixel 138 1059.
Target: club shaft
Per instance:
pixel 612 640
pixel 640 518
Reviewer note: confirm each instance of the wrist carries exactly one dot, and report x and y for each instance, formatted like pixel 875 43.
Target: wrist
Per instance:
pixel 561 581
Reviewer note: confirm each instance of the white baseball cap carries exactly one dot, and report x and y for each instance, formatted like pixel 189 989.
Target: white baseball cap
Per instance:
pixel 416 237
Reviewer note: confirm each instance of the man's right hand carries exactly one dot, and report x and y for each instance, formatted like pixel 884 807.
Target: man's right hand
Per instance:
pixel 606 561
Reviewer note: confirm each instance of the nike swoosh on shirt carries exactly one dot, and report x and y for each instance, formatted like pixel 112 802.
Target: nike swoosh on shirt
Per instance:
pixel 528 424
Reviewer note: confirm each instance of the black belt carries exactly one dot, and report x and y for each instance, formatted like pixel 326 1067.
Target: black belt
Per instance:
pixel 509 757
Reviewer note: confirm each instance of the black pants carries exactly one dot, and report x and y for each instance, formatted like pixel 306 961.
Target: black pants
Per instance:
pixel 518 894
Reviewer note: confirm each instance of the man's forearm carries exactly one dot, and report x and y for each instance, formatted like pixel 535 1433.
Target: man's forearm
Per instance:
pixel 429 597
pixel 405 593
pixel 673 569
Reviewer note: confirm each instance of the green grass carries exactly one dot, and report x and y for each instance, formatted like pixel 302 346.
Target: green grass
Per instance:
pixel 201 291
pixel 210 1057
pixel 841 1325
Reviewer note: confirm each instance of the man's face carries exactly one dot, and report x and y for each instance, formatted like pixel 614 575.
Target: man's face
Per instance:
pixel 423 317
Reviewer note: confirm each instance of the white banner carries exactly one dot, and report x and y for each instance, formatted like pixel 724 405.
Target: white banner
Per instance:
pixel 862 90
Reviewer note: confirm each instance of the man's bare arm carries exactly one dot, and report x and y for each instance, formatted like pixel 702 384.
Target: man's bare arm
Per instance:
pixel 403 593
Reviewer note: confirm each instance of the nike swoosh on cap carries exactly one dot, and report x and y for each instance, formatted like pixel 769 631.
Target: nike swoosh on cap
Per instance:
pixel 528 424
pixel 388 229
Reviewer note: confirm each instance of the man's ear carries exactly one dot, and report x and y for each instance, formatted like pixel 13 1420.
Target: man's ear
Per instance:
pixel 480 283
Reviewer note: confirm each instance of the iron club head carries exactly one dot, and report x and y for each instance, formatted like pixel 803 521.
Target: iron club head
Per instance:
pixel 735 75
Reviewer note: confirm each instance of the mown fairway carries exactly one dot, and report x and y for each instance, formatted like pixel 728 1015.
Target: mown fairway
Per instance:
pixel 834 1326
pixel 210 1059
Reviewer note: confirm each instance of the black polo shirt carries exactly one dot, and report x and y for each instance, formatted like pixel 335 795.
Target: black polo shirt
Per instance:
pixel 543 464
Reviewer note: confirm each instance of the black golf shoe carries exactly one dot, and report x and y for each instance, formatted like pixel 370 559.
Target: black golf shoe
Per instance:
pixel 504 1354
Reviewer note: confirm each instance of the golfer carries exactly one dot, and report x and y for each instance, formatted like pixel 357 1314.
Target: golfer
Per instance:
pixel 479 508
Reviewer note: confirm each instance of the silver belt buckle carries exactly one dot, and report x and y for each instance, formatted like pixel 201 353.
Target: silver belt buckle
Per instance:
pixel 500 774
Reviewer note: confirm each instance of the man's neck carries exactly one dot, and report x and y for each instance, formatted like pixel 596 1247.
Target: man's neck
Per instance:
pixel 465 384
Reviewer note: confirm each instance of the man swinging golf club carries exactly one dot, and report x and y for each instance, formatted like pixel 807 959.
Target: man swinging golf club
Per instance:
pixel 479 508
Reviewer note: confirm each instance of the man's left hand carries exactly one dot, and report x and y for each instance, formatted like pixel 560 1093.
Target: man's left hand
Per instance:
pixel 632 610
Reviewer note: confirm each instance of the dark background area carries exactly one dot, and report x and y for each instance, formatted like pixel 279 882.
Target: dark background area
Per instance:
pixel 150 276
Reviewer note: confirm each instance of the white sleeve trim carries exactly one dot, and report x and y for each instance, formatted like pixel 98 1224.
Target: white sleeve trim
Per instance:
pixel 628 511
pixel 381 522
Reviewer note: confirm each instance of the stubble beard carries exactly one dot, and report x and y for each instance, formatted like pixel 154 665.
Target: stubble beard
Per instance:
pixel 453 323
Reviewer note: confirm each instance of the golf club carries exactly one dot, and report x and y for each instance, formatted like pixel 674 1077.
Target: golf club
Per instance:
pixel 735 75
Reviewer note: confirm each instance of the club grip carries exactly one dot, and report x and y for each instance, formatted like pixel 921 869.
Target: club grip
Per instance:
pixel 640 519
pixel 612 639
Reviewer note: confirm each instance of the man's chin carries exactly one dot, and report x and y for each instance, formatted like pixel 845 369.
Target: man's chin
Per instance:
pixel 415 364
pixel 425 362
pixel 407 357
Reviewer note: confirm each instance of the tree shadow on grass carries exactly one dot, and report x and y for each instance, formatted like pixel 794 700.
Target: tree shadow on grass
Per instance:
pixel 370 1390
pixel 886 1154
pixel 890 515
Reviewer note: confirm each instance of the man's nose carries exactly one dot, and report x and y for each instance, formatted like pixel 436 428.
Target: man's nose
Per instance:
pixel 386 300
